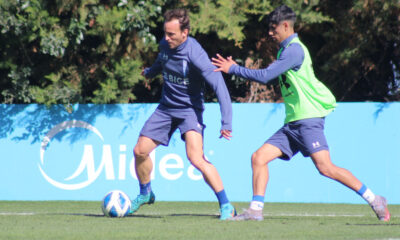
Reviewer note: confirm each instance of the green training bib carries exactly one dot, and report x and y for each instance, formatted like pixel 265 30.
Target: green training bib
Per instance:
pixel 304 95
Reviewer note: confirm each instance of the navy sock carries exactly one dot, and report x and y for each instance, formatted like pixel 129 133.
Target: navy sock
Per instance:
pixel 145 188
pixel 222 198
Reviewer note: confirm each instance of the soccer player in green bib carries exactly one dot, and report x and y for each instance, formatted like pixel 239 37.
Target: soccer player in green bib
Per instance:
pixel 307 102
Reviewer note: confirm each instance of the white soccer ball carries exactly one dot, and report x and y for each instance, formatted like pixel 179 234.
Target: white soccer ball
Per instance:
pixel 116 204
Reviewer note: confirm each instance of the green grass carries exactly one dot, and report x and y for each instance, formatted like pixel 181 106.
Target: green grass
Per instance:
pixel 192 220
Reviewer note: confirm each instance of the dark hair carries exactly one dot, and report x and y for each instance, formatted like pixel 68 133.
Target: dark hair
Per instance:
pixel 181 15
pixel 281 13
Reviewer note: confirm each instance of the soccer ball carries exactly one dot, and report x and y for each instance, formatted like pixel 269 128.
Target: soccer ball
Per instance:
pixel 116 204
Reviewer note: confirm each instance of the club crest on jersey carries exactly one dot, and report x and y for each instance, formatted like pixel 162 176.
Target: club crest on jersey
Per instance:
pixel 164 56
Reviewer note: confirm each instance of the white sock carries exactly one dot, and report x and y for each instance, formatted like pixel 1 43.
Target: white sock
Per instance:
pixel 369 196
pixel 256 205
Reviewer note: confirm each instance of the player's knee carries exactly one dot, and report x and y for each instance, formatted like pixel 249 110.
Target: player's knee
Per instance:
pixel 198 162
pixel 326 171
pixel 139 153
pixel 256 160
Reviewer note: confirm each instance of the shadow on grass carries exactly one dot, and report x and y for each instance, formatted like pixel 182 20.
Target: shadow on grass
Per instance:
pixel 373 224
pixel 144 216
pixel 171 215
pixel 140 215
pixel 193 215
pixel 102 215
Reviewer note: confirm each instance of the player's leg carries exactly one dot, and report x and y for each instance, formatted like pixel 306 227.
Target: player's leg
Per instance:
pixel 259 164
pixel 310 135
pixel 277 146
pixel 323 163
pixel 143 162
pixel 326 168
pixel 157 130
pixel 143 168
pixel 194 151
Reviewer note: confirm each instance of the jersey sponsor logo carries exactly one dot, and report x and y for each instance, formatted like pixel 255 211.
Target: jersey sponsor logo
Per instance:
pixel 184 68
pixel 175 79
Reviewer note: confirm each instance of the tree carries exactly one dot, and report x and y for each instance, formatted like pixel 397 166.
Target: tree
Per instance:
pixel 74 51
pixel 360 55
pixel 92 51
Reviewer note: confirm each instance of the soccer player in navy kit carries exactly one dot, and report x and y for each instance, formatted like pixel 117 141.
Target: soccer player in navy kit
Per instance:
pixel 185 68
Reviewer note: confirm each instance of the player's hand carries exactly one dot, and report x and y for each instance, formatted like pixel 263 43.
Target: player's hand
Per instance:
pixel 146 80
pixel 227 134
pixel 222 64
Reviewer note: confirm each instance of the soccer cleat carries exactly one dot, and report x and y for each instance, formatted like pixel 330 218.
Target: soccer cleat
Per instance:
pixel 142 199
pixel 227 211
pixel 249 214
pixel 379 205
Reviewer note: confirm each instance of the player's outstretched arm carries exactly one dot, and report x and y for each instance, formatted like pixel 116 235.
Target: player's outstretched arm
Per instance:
pixel 291 58
pixel 222 64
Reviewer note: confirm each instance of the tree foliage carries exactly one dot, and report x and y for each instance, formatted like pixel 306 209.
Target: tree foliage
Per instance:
pixel 361 54
pixel 74 51
pixel 92 51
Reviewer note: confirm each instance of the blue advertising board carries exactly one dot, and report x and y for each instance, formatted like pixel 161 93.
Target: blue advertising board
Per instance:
pixel 48 153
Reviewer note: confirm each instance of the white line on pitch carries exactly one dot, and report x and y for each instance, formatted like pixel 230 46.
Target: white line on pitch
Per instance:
pixel 312 215
pixel 16 214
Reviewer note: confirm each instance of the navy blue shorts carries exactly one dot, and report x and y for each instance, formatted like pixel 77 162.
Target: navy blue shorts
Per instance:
pixel 306 136
pixel 162 124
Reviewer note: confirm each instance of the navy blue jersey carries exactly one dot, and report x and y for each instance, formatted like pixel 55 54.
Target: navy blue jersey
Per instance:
pixel 185 70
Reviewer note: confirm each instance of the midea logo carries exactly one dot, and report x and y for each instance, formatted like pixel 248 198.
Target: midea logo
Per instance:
pixel 167 162
pixel 87 158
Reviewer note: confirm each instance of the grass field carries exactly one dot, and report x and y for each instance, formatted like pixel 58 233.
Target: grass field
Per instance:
pixel 193 220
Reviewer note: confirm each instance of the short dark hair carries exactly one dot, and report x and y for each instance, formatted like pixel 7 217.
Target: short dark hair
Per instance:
pixel 281 13
pixel 181 15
